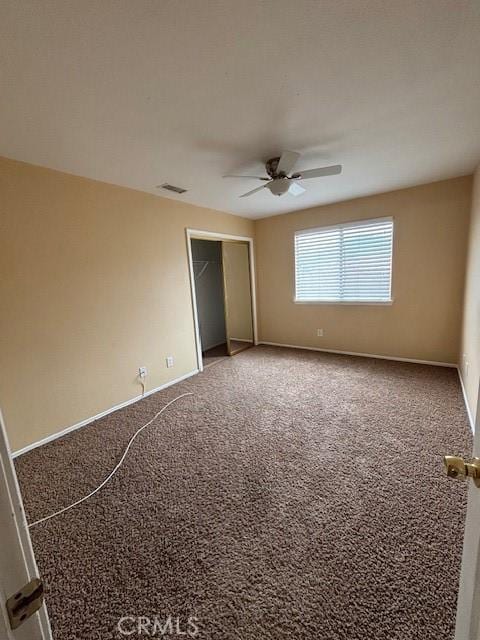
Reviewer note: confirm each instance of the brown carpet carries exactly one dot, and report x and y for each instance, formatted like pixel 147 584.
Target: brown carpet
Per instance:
pixel 297 495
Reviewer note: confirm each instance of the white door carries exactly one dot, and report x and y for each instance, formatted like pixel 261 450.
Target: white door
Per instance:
pixel 17 561
pixel 468 609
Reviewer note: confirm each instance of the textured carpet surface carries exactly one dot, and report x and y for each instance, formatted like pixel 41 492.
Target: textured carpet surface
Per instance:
pixel 296 495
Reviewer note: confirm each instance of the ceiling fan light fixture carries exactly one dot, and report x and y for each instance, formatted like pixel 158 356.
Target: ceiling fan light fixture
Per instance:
pixel 279 186
pixel 295 189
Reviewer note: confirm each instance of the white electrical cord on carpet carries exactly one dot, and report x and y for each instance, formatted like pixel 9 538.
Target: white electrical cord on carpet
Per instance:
pixel 110 476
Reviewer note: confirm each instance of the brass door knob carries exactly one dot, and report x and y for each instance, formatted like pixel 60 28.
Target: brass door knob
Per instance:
pixel 457 468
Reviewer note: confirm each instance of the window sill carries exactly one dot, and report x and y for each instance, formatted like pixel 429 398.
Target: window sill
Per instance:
pixel 358 303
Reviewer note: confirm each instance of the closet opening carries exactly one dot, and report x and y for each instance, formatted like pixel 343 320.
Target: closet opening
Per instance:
pixel 222 294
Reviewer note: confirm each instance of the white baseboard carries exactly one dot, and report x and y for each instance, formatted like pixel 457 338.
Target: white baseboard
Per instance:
pixel 363 355
pixel 241 340
pixel 83 423
pixel 465 399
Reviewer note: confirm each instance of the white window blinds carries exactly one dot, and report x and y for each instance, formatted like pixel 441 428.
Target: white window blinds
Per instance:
pixel 345 263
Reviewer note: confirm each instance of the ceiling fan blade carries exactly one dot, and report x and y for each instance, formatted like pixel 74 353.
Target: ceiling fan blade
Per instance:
pixel 295 189
pixel 256 177
pixel 249 193
pixel 287 161
pixel 318 173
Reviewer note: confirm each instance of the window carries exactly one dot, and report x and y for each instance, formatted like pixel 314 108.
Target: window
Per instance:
pixel 345 263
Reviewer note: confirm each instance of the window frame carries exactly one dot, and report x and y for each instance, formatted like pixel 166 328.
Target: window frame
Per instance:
pixel 353 223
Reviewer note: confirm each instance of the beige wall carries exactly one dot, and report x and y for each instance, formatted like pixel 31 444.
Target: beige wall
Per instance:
pixel 94 284
pixel 430 240
pixel 238 297
pixel 470 347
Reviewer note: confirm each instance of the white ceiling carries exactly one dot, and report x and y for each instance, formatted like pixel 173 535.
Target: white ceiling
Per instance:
pixel 141 92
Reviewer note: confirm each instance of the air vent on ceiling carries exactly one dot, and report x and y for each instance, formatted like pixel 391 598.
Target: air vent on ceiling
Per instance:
pixel 171 187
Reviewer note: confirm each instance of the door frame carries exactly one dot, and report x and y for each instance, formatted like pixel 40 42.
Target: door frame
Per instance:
pixel 200 234
pixel 17 558
pixel 467 625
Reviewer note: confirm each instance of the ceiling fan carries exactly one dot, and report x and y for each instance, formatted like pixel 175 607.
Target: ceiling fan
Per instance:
pixel 281 182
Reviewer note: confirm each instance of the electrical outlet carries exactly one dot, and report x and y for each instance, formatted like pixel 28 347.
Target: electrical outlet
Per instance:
pixel 142 372
pixel 320 333
pixel 169 361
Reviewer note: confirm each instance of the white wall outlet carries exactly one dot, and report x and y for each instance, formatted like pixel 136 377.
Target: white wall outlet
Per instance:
pixel 169 361
pixel 142 372
pixel 320 333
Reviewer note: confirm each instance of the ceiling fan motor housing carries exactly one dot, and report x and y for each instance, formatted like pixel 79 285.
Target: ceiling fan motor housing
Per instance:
pixel 271 167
